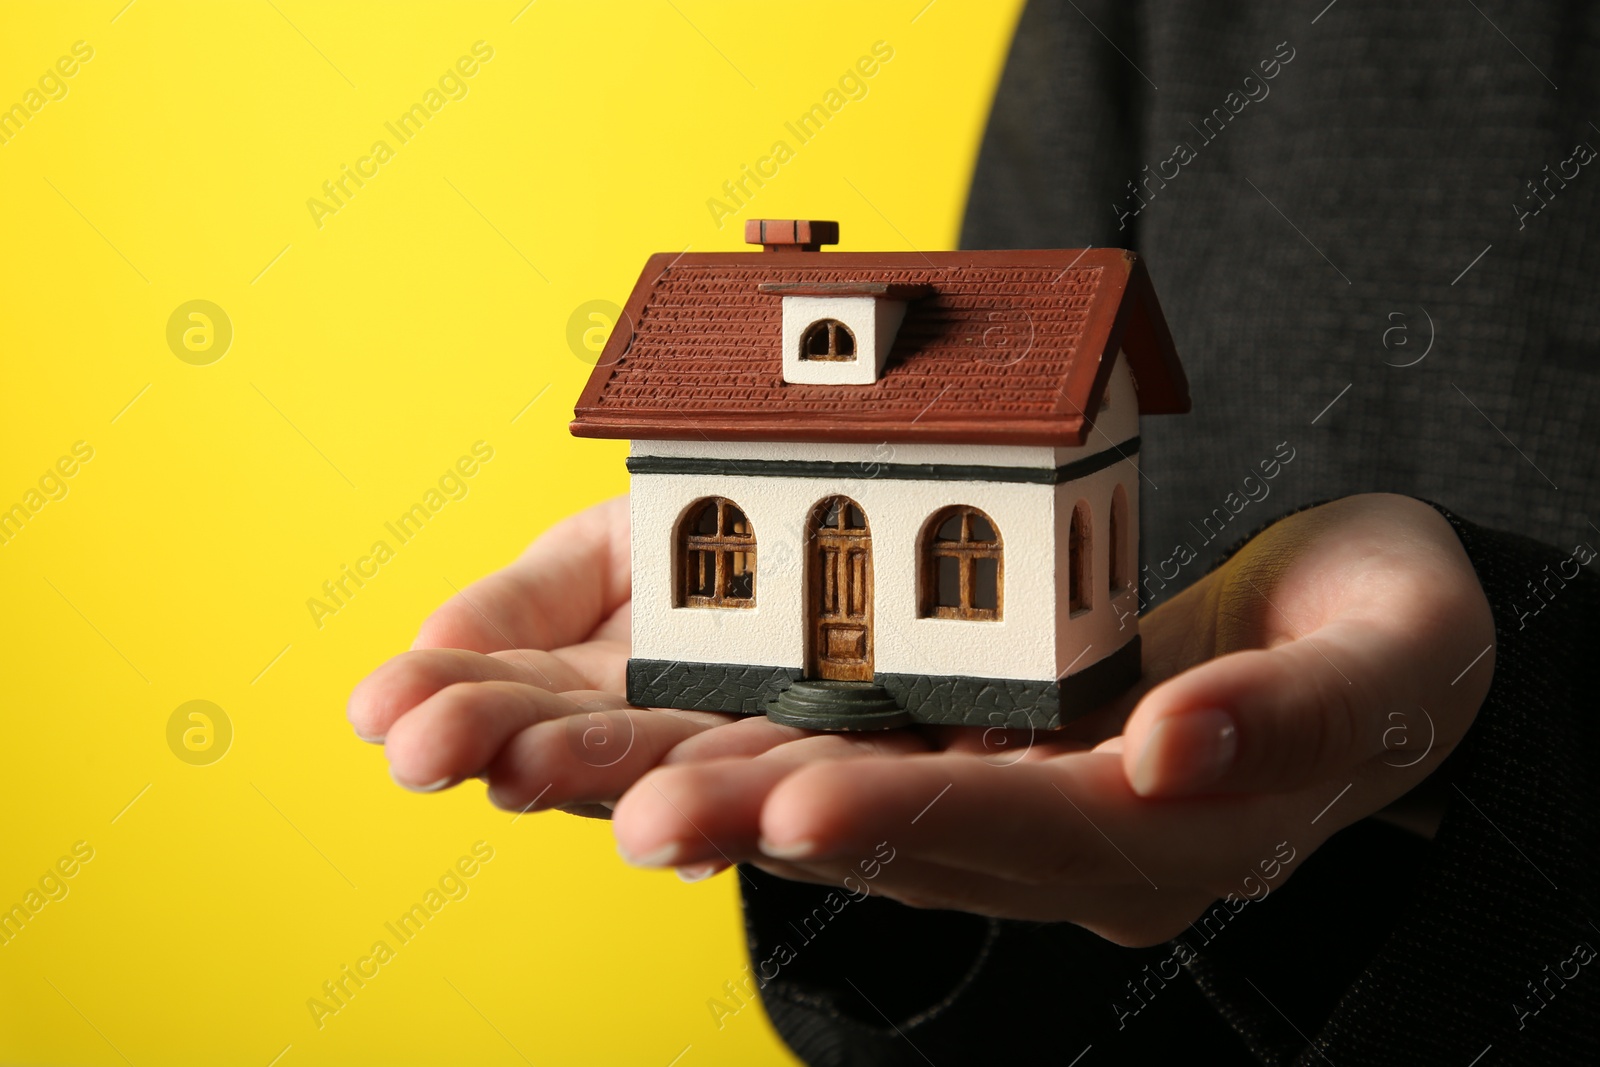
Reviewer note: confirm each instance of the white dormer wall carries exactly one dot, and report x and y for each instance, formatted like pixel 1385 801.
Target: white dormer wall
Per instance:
pixel 873 320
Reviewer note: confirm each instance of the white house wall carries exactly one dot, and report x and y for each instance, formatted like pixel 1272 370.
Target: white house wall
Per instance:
pixel 1115 422
pixel 773 632
pixel 1111 620
pixel 1028 643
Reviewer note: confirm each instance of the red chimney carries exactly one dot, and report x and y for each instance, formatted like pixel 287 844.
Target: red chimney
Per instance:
pixel 790 235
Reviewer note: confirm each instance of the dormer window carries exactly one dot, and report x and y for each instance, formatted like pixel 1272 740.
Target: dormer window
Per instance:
pixel 828 339
pixel 840 333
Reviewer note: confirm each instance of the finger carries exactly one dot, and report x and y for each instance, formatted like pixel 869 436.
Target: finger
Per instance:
pixel 453 734
pixel 1003 746
pixel 590 758
pixel 567 583
pixel 412 677
pixel 1068 826
pixel 616 627
pixel 757 735
pixel 696 813
pixel 1030 822
pixel 699 872
pixel 703 811
pixel 1283 718
pixel 601 664
pixel 1362 614
pixel 598 812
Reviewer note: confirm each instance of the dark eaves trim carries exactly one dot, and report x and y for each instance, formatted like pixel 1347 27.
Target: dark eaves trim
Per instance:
pixel 870 468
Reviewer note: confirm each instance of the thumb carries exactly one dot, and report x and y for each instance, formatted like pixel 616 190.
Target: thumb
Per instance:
pixel 1269 719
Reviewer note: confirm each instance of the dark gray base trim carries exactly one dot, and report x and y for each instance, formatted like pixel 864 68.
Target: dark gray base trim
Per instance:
pixel 663 683
pixel 746 690
pixel 930 472
pixel 1011 703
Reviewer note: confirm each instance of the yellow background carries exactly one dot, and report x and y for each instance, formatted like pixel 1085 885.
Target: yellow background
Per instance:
pixel 368 354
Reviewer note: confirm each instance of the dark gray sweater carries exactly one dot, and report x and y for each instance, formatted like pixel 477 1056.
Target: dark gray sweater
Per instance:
pixel 1368 225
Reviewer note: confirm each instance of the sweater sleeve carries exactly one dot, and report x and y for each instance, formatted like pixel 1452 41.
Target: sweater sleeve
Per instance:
pixel 1384 948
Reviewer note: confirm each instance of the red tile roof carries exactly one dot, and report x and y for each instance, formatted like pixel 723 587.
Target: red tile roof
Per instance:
pixel 1006 347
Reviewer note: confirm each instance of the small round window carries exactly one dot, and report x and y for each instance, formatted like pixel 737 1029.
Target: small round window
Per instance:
pixel 828 339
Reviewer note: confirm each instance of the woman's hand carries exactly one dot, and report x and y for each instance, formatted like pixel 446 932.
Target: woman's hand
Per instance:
pixel 518 679
pixel 1317 677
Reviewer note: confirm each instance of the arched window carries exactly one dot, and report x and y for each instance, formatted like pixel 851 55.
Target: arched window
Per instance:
pixel 716 556
pixel 1080 560
pixel 963 566
pixel 1121 543
pixel 828 339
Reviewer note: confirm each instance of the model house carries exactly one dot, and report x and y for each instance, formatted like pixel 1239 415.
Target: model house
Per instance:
pixel 873 488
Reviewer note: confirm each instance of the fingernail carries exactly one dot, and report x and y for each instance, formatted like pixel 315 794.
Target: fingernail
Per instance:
pixel 516 803
pixel 371 740
pixel 665 856
pixel 700 872
pixel 794 850
pixel 1186 753
pixel 431 787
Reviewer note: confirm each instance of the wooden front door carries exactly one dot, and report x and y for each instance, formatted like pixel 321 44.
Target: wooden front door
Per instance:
pixel 839 592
